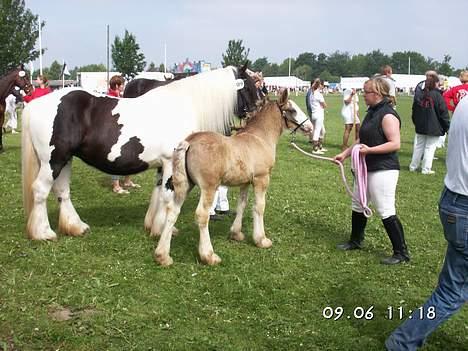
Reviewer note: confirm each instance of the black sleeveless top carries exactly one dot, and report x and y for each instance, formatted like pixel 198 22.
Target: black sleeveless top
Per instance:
pixel 372 134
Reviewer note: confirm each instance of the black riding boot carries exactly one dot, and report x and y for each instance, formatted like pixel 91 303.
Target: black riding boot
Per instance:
pixel 397 237
pixel 358 224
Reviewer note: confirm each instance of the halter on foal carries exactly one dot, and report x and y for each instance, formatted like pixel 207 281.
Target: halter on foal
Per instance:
pixel 15 77
pixel 209 159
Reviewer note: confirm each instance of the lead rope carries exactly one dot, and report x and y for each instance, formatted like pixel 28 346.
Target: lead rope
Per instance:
pixel 358 164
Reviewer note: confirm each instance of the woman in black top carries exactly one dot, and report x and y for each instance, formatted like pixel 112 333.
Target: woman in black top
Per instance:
pixel 431 121
pixel 379 139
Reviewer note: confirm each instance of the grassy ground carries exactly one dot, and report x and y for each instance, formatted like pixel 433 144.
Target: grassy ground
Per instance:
pixel 104 291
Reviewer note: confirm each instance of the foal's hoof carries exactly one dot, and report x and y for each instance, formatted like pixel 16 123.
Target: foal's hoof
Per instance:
pixel 211 260
pixel 175 231
pixel 163 260
pixel 265 243
pixel 237 236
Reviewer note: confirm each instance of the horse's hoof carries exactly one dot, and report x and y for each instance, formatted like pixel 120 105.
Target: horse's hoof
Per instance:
pixel 163 260
pixel 175 231
pixel 48 235
pixel 237 236
pixel 212 259
pixel 265 243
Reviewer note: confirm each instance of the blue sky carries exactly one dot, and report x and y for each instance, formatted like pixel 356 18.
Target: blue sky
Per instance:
pixel 200 29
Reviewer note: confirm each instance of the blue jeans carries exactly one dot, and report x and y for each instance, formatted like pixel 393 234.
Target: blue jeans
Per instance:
pixel 452 290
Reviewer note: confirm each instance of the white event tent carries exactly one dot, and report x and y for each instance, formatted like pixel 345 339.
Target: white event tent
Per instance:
pixel 290 82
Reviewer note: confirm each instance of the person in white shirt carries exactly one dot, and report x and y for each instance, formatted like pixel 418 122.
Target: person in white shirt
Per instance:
pixel 318 106
pixel 350 114
pixel 451 293
pixel 10 108
pixel 386 73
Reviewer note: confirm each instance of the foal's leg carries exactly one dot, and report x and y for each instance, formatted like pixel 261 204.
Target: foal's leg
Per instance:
pixel 260 186
pixel 154 202
pixel 38 227
pixel 205 249
pixel 70 222
pixel 236 228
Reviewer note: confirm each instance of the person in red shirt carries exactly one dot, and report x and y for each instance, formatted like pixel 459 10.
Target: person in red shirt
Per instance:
pixel 42 90
pixel 457 93
pixel 116 87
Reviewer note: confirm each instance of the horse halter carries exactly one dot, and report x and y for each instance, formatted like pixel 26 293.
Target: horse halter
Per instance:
pixel 23 78
pixel 286 120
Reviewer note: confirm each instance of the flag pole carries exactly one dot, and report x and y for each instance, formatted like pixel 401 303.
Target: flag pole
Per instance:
pixel 107 80
pixel 165 59
pixel 40 46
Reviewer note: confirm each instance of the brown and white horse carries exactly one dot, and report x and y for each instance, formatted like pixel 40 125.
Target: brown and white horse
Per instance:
pixel 209 159
pixel 15 77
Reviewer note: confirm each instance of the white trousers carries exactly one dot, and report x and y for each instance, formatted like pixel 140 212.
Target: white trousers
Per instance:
pixel 423 149
pixel 319 128
pixel 220 201
pixel 10 108
pixel 381 190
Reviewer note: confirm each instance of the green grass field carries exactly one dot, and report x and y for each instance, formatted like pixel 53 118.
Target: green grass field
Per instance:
pixel 105 292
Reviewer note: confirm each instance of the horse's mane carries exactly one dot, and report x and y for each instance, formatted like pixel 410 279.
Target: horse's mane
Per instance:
pixel 214 96
pixel 10 70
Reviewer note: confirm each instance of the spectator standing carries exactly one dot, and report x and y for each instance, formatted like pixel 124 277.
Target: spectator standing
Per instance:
pixel 39 91
pixel 317 107
pixel 451 292
pixel 431 121
pixel 379 139
pixel 453 95
pixel 116 88
pixel 350 114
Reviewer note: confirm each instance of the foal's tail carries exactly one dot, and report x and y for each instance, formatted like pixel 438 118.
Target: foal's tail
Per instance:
pixel 180 177
pixel 30 163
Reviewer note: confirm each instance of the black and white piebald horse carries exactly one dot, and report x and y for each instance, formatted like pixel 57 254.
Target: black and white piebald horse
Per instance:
pixel 120 136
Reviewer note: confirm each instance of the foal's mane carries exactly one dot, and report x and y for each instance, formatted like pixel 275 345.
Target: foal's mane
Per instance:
pixel 214 96
pixel 264 109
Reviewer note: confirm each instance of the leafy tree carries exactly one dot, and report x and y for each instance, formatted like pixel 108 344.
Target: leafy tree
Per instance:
pixel 19 31
pixel 375 60
pixel 445 68
pixel 152 67
pixel 126 56
pixel 93 68
pixel 235 55
pixel 303 72
pixel 306 58
pixel 161 67
pixel 326 76
pixel 55 70
pixel 337 63
pixel 260 64
pixel 283 69
pixel 271 70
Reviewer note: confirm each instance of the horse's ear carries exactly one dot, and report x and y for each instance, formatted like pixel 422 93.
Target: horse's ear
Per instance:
pixel 283 100
pixel 244 67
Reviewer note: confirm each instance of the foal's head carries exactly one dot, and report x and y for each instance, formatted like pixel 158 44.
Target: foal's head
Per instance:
pixel 293 117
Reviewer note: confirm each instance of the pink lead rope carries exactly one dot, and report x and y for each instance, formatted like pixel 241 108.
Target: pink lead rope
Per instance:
pixel 358 165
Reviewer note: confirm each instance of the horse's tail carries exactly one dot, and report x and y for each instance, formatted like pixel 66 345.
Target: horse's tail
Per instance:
pixel 29 161
pixel 180 177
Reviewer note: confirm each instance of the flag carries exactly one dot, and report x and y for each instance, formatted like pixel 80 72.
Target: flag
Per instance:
pixel 65 71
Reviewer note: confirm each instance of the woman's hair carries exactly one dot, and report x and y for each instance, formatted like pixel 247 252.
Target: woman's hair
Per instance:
pixel 115 81
pixel 431 83
pixel 384 70
pixel 464 77
pixel 316 83
pixel 380 86
pixel 43 78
